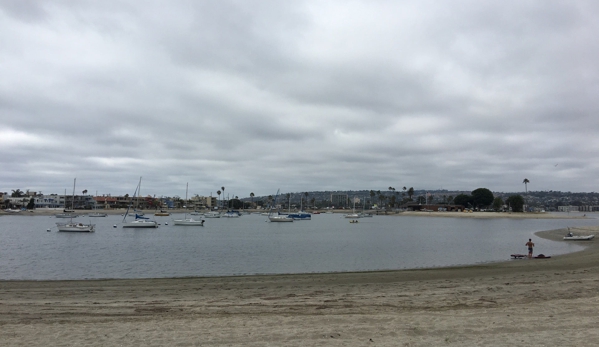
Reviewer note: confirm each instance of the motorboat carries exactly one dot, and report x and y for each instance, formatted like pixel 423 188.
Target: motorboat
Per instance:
pixel 162 214
pixel 212 214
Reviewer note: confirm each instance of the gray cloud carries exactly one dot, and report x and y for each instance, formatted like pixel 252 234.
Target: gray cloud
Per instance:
pixel 261 95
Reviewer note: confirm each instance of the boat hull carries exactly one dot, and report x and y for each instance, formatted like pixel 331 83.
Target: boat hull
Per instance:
pixel 188 221
pixel 300 216
pixel 579 238
pixel 140 224
pixel 280 219
pixel 76 227
pixel 97 215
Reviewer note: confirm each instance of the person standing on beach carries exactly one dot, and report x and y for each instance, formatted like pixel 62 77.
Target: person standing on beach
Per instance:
pixel 530 245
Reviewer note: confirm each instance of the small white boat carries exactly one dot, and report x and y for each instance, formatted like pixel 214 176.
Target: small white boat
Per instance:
pixel 212 215
pixel 185 220
pixel 65 215
pixel 76 227
pixel 280 218
pixel 140 223
pixel 97 214
pixel 189 221
pixel 73 226
pixel 352 215
pixel 231 214
pixel 571 237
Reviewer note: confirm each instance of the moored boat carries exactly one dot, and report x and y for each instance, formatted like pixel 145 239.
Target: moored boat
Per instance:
pixel 571 237
pixel 140 223
pixel 280 218
pixel 76 227
pixel 72 226
pixel 97 214
pixel 301 215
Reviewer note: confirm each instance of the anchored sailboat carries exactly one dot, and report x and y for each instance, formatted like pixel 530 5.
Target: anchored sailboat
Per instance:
pixel 71 226
pixel 140 221
pixel 185 220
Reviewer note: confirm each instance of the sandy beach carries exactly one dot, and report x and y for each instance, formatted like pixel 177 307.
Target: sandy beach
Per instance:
pixel 539 302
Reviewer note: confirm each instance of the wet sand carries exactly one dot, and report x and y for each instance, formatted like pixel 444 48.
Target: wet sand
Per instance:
pixel 539 302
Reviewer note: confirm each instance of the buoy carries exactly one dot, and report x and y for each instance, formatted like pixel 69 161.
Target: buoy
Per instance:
pixel 114 226
pixel 48 230
pixel 165 223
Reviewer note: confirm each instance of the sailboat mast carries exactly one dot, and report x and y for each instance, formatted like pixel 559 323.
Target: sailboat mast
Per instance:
pixel 73 198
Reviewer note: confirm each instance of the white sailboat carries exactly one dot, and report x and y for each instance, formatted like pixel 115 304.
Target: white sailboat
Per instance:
pixel 71 226
pixel 140 221
pixel 96 213
pixel 278 218
pixel 353 215
pixel 185 220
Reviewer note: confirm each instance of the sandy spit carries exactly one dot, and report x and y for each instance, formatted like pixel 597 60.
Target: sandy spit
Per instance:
pixel 539 302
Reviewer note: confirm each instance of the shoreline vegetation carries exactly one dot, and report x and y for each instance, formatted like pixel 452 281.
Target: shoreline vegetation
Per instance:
pixel 526 301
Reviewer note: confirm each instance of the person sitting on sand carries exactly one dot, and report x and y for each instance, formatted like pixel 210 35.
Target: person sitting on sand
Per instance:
pixel 530 245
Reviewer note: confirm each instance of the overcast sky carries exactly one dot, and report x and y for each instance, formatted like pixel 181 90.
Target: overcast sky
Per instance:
pixel 298 95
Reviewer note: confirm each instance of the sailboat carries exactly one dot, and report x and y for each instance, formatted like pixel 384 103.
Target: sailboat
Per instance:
pixel 301 214
pixel 353 214
pixel 96 213
pixel 185 220
pixel 78 227
pixel 279 217
pixel 66 213
pixel 363 214
pixel 140 221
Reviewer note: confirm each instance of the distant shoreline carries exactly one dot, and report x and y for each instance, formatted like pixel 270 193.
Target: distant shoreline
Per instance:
pixel 483 215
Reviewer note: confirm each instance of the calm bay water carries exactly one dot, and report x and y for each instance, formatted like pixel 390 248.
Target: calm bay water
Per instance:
pixel 249 245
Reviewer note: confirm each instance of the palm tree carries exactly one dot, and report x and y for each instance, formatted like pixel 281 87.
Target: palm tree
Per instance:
pixel 288 195
pixel 218 192
pixel 17 193
pixel 372 195
pixel 252 196
pixel 410 193
pixel 223 189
